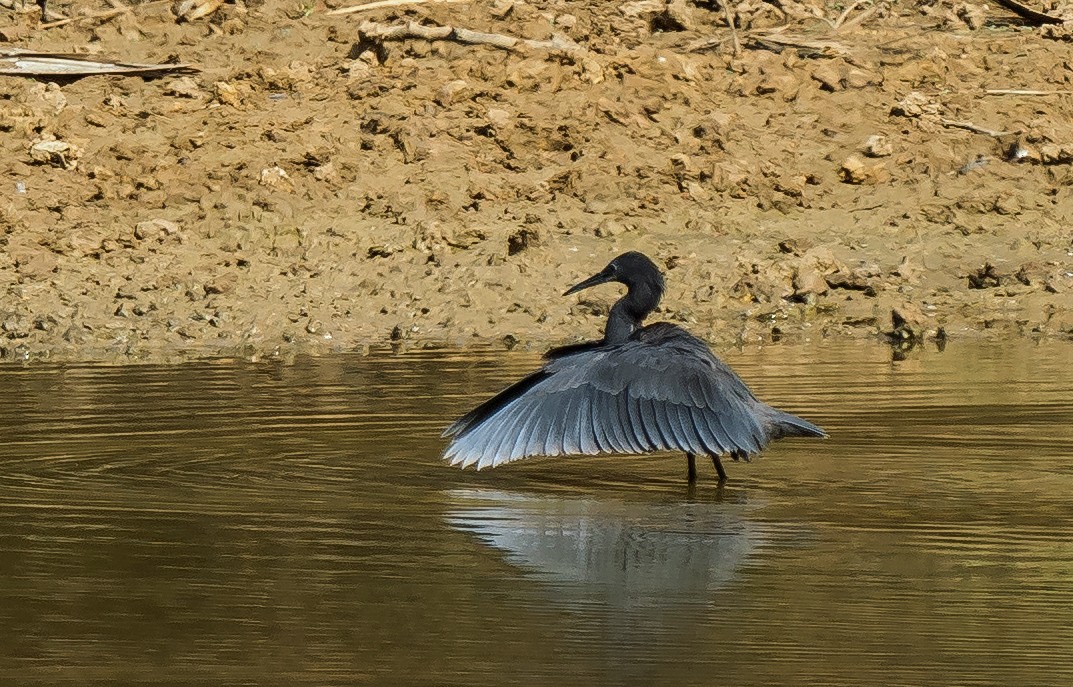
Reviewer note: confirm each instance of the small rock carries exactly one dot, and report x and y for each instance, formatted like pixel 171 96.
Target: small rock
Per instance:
pixel 225 283
pixel 790 247
pixel 680 15
pixel 184 87
pixel 1056 154
pixel 48 97
pixel 500 119
pixel 850 281
pixel 155 228
pixel 55 153
pixel 465 238
pixel 878 145
pixel 987 277
pixel 15 328
pixel 452 92
pixel 829 76
pixel 974 16
pixel 909 323
pixel 523 239
pixel 608 228
pixel 858 78
pixel 783 84
pixel 916 104
pixel 324 172
pixel 382 251
pixel 978 162
pixel 501 8
pixel 226 93
pixel 808 282
pixel 855 171
pixel 567 21
pixel 273 176
pixel 414 148
pixel 1007 205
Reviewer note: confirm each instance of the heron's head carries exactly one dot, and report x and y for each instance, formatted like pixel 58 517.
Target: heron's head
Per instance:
pixel 632 269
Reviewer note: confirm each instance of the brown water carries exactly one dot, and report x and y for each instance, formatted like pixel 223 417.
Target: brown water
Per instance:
pixel 240 523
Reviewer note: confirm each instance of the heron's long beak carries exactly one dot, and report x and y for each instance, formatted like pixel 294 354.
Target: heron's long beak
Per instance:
pixel 601 278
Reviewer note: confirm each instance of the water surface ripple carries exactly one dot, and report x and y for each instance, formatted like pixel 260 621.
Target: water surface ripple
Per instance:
pixel 266 523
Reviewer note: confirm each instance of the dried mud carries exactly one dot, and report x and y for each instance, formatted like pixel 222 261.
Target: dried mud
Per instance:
pixel 311 190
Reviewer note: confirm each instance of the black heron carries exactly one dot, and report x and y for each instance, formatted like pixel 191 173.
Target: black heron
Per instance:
pixel 640 389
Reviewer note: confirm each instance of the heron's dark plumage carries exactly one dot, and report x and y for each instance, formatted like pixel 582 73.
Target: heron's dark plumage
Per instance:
pixel 640 389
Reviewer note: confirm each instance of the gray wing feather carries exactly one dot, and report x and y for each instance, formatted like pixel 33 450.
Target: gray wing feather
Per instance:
pixel 517 449
pixel 540 430
pixel 685 425
pixel 600 425
pixel 587 436
pixel 637 424
pixel 704 431
pixel 662 390
pixel 665 415
pixel 616 434
pixel 571 428
pixel 634 443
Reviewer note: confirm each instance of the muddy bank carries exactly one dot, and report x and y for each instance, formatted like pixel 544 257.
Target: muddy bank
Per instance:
pixel 314 190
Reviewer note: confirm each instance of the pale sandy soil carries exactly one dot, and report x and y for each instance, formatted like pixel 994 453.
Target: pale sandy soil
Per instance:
pixel 311 191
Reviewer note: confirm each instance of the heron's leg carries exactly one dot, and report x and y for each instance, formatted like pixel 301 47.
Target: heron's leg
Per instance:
pixel 719 468
pixel 692 467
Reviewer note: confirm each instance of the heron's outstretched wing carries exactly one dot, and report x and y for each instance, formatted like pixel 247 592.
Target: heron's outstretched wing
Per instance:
pixel 662 390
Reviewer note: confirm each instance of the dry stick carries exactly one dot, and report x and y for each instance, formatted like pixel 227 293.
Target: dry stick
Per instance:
pixel 1029 14
pixel 969 126
pixel 824 47
pixel 859 19
pixel 730 23
pixel 1020 91
pixel 845 13
pixel 104 16
pixel 381 4
pixel 371 29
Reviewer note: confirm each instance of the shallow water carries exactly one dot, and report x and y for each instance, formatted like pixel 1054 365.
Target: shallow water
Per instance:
pixel 262 523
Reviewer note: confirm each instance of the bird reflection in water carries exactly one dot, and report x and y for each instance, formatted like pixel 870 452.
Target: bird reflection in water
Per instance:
pixel 633 554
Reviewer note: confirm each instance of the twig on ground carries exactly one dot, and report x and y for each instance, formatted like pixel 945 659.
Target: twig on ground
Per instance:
pixel 1029 14
pixel 969 126
pixel 192 10
pixel 859 19
pixel 705 44
pixel 16 62
pixel 845 14
pixel 381 4
pixel 1023 91
pixel 824 48
pixel 376 31
pixel 730 22
pixel 104 15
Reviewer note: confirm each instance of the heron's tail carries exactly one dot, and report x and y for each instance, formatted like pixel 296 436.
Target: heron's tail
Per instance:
pixel 783 425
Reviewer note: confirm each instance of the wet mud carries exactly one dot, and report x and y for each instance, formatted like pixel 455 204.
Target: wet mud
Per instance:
pixel 320 186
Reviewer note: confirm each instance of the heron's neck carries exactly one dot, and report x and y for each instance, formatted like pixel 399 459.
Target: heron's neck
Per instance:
pixel 629 311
